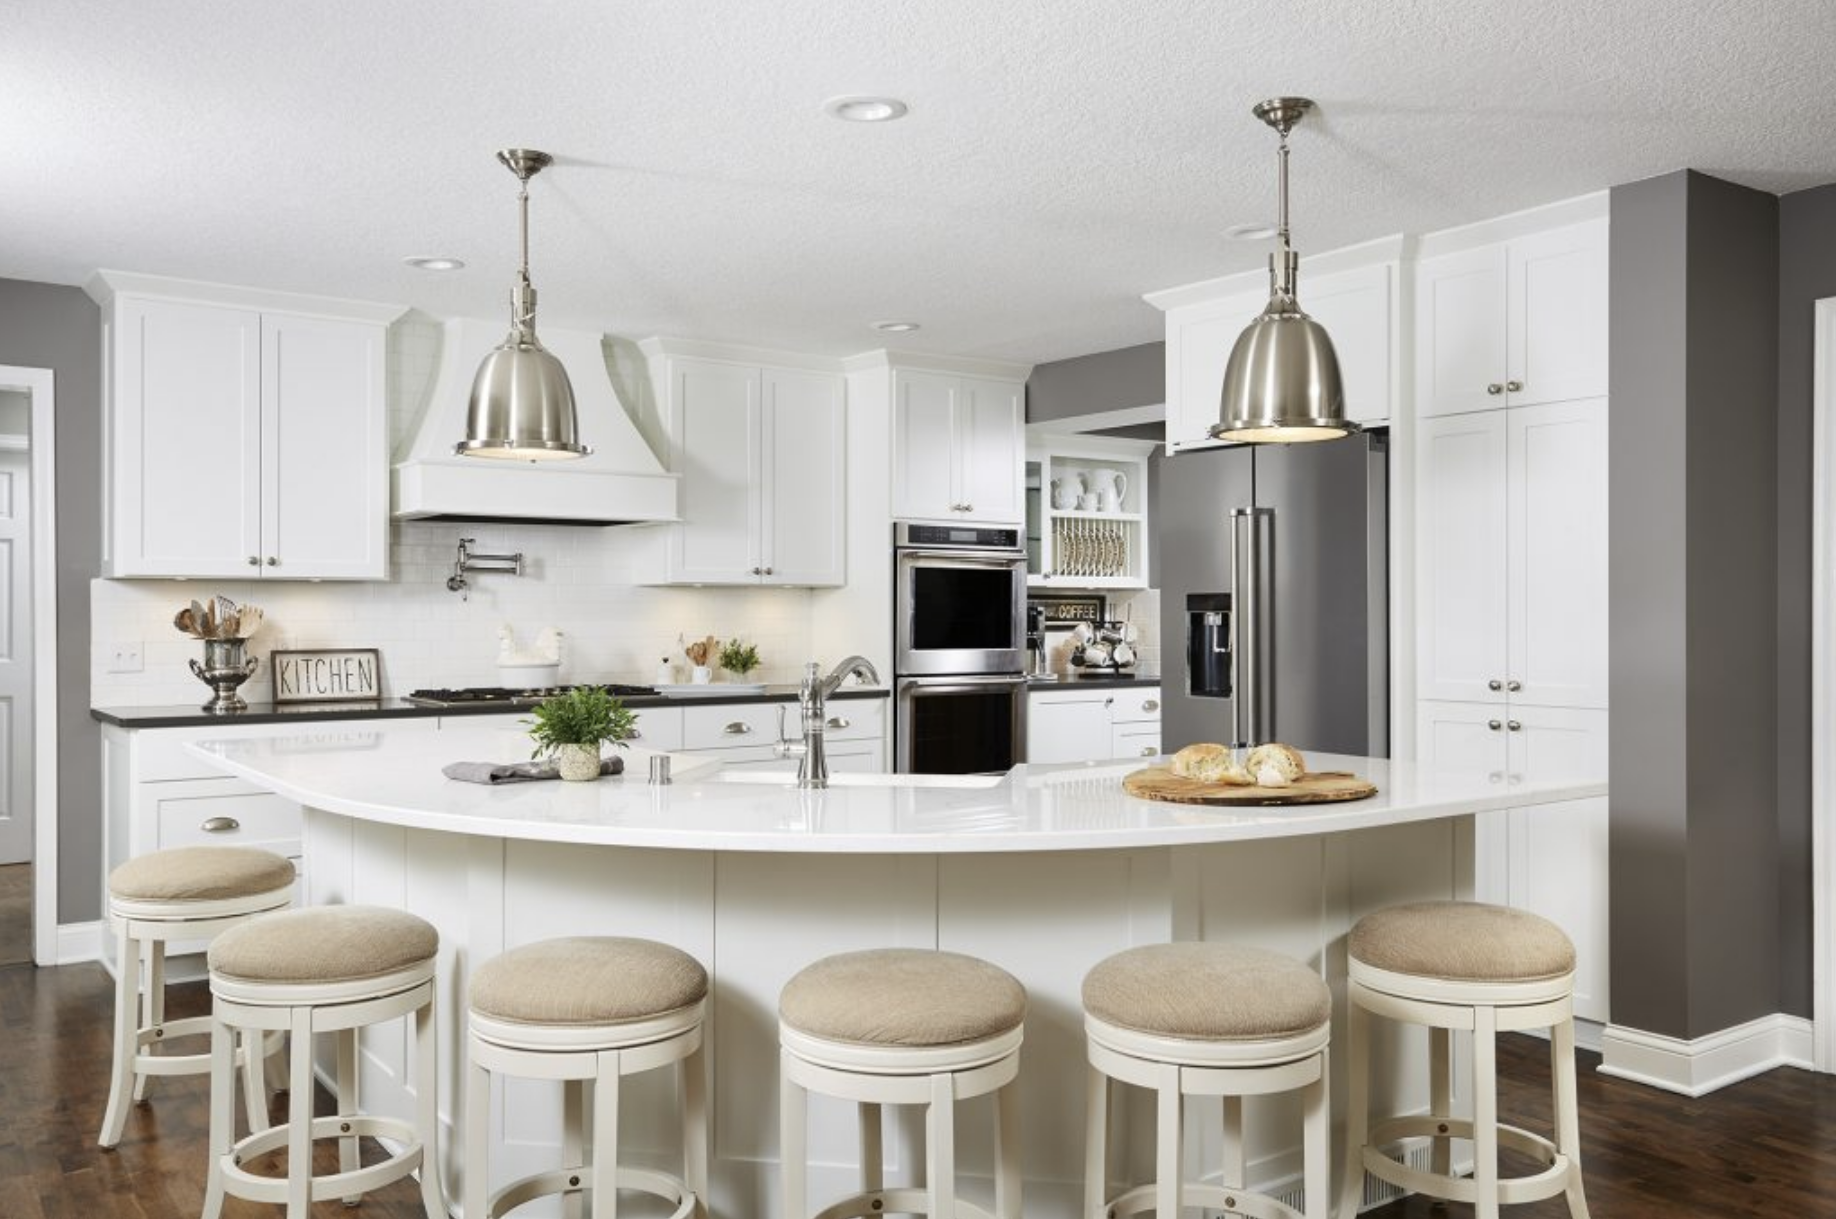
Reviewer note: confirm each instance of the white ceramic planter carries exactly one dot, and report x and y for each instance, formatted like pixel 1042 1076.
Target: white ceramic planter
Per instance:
pixel 577 762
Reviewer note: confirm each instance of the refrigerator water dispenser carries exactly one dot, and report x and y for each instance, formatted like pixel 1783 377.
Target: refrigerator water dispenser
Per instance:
pixel 1208 645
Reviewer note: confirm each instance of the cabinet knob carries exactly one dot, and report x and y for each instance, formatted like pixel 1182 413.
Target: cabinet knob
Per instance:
pixel 1110 701
pixel 737 728
pixel 254 560
pixel 273 562
pixel 1494 388
pixel 968 507
pixel 1494 684
pixel 1148 751
pixel 1514 725
pixel 1514 686
pixel 1494 725
pixel 1497 776
pixel 758 571
pixel 219 825
pixel 1150 704
pixel 768 571
pixel 637 734
pixel 1516 387
pixel 839 721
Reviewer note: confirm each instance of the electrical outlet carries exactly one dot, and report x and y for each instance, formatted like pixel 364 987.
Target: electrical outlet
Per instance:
pixel 125 658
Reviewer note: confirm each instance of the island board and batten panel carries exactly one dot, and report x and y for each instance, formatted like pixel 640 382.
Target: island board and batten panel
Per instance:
pixel 1043 872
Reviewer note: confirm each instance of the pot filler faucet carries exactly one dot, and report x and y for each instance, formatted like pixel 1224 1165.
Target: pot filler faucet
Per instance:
pixel 813 762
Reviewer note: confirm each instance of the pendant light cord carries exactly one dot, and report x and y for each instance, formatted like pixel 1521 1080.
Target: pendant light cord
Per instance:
pixel 1284 278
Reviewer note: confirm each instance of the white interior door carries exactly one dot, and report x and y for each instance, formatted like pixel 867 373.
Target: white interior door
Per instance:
pixel 15 657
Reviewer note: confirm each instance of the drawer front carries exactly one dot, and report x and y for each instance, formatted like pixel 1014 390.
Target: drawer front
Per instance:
pixel 1134 741
pixel 1137 706
pixel 161 757
pixel 734 724
pixel 226 812
pixel 849 719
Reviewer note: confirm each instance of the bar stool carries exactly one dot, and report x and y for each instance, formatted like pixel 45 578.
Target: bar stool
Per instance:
pixel 329 969
pixel 182 893
pixel 1196 1019
pixel 901 1026
pixel 1485 969
pixel 588 1011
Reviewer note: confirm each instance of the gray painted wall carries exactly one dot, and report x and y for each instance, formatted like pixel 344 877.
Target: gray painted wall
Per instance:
pixel 55 327
pixel 1089 385
pixel 1693 587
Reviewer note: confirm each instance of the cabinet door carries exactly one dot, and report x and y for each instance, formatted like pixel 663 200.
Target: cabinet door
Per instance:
pixel 325 457
pixel 1068 727
pixel 1558 554
pixel 925 473
pixel 185 482
pixel 1558 315
pixel 1460 331
pixel 1461 641
pixel 1355 309
pixel 991 450
pixel 714 440
pixel 801 499
pixel 1558 852
pixel 1199 342
pixel 1471 736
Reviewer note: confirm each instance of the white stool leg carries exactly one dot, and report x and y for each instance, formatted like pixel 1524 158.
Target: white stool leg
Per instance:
pixel 1357 1105
pixel 127 1030
pixel 152 1003
pixel 1096 1142
pixel 346 1041
pixel 1233 1168
pixel 1440 1096
pixel 793 1139
pixel 222 1112
pixel 1485 1113
pixel 940 1148
pixel 476 1182
pixel 1567 1112
pixel 249 1058
pixel 873 1147
pixel 427 1109
pixel 299 1118
pixel 1007 1152
pixel 574 1094
pixel 604 1174
pixel 1170 1145
pixel 1316 1144
pixel 695 1127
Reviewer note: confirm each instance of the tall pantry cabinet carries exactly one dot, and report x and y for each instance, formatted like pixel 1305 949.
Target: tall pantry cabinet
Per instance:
pixel 1511 558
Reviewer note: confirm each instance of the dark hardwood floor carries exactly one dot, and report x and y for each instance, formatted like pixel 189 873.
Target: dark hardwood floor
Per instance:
pixel 15 913
pixel 1766 1147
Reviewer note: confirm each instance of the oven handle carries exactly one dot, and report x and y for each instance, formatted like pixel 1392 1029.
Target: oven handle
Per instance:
pixel 908 686
pixel 964 558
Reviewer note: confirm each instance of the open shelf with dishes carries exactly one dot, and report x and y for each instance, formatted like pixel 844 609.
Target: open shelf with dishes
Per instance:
pixel 1086 512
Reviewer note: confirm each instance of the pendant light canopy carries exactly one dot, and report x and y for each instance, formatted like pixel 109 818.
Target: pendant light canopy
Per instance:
pixel 1282 383
pixel 522 406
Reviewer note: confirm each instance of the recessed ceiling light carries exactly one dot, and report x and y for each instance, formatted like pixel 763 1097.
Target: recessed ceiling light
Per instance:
pixel 896 327
pixel 423 262
pixel 862 109
pixel 1260 231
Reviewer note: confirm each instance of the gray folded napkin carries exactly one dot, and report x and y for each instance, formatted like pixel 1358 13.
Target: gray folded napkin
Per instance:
pixel 517 772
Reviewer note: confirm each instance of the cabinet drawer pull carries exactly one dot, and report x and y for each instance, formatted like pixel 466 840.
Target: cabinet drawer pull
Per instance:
pixel 1514 686
pixel 637 734
pixel 1110 701
pixel 220 825
pixel 1151 704
pixel 1148 751
pixel 1494 725
pixel 1516 387
pixel 254 560
pixel 737 728
pixel 1494 388
pixel 273 562
pixel 1494 684
pixel 840 721
pixel 1514 726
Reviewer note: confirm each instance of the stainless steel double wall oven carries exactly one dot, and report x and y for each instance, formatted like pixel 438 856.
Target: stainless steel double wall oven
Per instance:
pixel 959 680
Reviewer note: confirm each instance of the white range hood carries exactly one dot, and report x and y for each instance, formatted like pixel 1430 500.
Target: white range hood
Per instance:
pixel 621 482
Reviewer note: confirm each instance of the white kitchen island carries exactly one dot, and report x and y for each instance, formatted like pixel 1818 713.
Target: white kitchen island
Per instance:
pixel 1044 872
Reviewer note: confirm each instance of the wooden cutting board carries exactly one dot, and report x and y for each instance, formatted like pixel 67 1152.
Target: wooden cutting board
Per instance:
pixel 1160 783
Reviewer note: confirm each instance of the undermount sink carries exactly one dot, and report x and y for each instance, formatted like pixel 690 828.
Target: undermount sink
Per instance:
pixel 858 779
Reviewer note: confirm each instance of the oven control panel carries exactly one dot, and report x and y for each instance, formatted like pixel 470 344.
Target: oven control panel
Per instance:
pixel 967 537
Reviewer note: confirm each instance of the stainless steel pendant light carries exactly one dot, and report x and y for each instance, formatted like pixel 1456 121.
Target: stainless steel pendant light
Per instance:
pixel 1282 383
pixel 522 406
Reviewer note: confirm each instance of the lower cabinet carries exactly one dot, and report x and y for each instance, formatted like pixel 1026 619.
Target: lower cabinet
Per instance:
pixel 1084 725
pixel 1551 859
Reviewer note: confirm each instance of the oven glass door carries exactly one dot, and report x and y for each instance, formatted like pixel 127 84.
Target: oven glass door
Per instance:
pixel 961 725
pixel 960 613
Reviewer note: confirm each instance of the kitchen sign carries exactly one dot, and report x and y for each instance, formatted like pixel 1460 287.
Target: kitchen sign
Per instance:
pixel 342 676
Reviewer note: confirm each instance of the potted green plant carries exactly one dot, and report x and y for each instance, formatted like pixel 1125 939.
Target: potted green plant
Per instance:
pixel 739 658
pixel 572 727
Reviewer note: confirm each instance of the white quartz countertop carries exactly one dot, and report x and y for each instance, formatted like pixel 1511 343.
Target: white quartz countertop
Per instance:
pixel 393 777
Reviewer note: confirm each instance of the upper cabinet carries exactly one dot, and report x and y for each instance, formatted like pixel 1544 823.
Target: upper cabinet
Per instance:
pixel 246 433
pixel 1358 306
pixel 761 453
pixel 1518 323
pixel 958 448
pixel 1086 512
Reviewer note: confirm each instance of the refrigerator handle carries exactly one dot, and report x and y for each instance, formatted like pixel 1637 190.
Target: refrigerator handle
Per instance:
pixel 1245 625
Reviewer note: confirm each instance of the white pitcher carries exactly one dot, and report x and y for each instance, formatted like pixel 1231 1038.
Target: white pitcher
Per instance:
pixel 1067 489
pixel 1108 487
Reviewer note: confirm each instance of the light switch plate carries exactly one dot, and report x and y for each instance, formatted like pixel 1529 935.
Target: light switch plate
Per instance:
pixel 125 658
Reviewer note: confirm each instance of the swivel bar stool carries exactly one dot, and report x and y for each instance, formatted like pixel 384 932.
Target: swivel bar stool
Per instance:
pixel 182 893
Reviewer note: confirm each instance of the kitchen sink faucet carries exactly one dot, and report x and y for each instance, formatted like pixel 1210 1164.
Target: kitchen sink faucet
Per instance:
pixel 813 761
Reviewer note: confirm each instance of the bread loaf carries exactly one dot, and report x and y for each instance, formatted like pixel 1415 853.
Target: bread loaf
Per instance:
pixel 1283 759
pixel 1209 763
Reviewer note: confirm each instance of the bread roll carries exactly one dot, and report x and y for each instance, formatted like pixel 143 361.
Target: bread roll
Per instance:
pixel 1271 776
pixel 1209 763
pixel 1283 758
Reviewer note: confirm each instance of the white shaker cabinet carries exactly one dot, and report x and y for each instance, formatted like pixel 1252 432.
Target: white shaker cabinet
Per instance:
pixel 244 440
pixel 1513 324
pixel 958 448
pixel 761 452
pixel 1076 724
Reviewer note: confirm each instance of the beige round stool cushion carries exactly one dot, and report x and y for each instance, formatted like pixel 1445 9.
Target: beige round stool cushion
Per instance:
pixel 200 874
pixel 1207 992
pixel 903 997
pixel 588 980
pixel 1462 942
pixel 324 944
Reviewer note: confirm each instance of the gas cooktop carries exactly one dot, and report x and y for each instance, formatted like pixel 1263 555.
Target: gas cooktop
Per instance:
pixel 503 696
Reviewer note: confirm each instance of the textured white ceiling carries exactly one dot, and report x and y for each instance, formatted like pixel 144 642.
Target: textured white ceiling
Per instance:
pixel 1061 156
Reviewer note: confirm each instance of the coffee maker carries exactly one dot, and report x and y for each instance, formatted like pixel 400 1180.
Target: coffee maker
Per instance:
pixel 1037 665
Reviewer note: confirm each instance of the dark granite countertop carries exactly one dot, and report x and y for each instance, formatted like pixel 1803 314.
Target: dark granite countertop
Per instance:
pixel 187 715
pixel 1105 681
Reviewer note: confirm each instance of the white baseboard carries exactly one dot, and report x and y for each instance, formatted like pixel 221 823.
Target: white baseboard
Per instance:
pixel 1704 1064
pixel 79 942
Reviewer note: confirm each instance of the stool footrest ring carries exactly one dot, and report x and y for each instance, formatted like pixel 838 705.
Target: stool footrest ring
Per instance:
pixel 1548 1183
pixel 659 1185
pixel 875 1203
pixel 261 1188
pixel 1141 1200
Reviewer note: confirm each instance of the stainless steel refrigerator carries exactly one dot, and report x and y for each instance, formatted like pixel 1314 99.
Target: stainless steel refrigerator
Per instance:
pixel 1273 565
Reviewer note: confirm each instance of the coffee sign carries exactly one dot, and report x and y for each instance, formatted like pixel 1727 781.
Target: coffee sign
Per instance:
pixel 342 676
